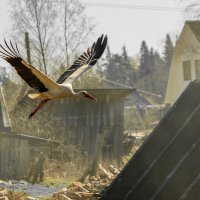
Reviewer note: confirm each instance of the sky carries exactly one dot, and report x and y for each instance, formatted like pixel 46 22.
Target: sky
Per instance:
pixel 126 22
pixel 136 20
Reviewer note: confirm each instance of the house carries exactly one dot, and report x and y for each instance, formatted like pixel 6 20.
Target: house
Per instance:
pixel 166 166
pixel 185 65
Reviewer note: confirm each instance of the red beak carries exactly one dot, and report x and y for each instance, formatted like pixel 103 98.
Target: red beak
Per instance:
pixel 90 97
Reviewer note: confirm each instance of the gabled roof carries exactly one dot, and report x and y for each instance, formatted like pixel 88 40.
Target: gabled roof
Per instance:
pixel 195 28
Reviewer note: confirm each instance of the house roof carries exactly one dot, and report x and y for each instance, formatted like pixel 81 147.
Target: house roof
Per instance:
pixel 167 165
pixel 195 28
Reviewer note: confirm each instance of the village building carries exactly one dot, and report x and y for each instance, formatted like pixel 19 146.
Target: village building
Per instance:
pixel 185 64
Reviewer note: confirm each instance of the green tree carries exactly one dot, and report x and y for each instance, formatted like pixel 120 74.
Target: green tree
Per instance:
pixel 144 59
pixel 111 69
pixel 168 50
pixel 119 67
pixel 128 73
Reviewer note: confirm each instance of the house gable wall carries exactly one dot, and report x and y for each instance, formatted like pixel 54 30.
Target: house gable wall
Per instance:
pixel 187 49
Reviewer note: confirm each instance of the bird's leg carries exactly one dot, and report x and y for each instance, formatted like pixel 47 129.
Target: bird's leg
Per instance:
pixel 41 104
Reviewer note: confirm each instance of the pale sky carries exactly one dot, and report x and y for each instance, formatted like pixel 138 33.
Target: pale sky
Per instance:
pixel 127 26
pixel 130 26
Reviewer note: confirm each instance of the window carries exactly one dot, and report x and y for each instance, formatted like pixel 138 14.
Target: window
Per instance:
pixel 186 70
pixel 197 68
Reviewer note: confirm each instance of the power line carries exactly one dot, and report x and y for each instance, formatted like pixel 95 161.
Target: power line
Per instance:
pixel 135 7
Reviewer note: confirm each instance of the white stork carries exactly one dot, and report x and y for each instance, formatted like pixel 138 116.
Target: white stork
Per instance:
pixel 46 87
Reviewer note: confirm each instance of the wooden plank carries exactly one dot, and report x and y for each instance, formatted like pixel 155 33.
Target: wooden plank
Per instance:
pixel 24 158
pixel 166 162
pixel 184 172
pixel 1 155
pixel 5 153
pixel 14 157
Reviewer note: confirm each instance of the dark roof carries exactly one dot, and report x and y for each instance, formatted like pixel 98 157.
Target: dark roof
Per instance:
pixel 195 27
pixel 167 165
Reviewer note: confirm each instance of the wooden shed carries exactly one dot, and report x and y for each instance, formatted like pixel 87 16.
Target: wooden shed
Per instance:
pixel 79 121
pixel 87 121
pixel 167 165
pixel 18 153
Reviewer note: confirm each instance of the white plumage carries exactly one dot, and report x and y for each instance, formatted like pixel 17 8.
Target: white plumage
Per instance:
pixel 47 88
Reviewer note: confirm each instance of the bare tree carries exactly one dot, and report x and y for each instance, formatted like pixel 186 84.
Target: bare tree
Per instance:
pixel 192 9
pixel 56 30
pixel 38 17
pixel 76 29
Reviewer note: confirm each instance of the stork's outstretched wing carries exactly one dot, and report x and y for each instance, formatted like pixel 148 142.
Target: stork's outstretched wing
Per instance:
pixel 32 76
pixel 85 61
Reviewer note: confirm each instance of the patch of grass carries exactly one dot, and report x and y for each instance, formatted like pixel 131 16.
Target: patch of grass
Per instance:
pixel 56 182
pixel 45 198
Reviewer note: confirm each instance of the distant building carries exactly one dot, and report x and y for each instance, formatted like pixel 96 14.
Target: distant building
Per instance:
pixel 185 65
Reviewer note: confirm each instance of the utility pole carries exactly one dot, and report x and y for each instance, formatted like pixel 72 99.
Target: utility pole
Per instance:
pixel 27 44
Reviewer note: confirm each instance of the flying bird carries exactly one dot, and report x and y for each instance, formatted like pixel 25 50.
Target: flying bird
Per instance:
pixel 47 89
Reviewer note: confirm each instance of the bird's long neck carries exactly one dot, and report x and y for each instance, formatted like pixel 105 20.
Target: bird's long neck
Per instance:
pixel 67 88
pixel 78 94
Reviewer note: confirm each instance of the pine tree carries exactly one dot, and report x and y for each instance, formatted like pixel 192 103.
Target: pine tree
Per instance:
pixel 144 59
pixel 125 55
pixel 126 67
pixel 168 50
pixel 108 53
pixel 108 65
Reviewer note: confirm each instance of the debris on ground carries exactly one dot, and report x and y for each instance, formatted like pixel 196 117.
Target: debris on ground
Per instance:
pixel 90 189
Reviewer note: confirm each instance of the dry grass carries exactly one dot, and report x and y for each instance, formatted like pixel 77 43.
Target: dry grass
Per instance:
pixel 62 170
pixel 16 195
pixel 64 165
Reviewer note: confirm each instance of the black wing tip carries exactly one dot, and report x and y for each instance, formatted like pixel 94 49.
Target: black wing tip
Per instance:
pixel 8 51
pixel 102 40
pixel 98 48
pixel 94 53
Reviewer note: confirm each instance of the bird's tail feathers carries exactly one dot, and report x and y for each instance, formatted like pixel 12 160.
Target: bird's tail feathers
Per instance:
pixel 34 96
